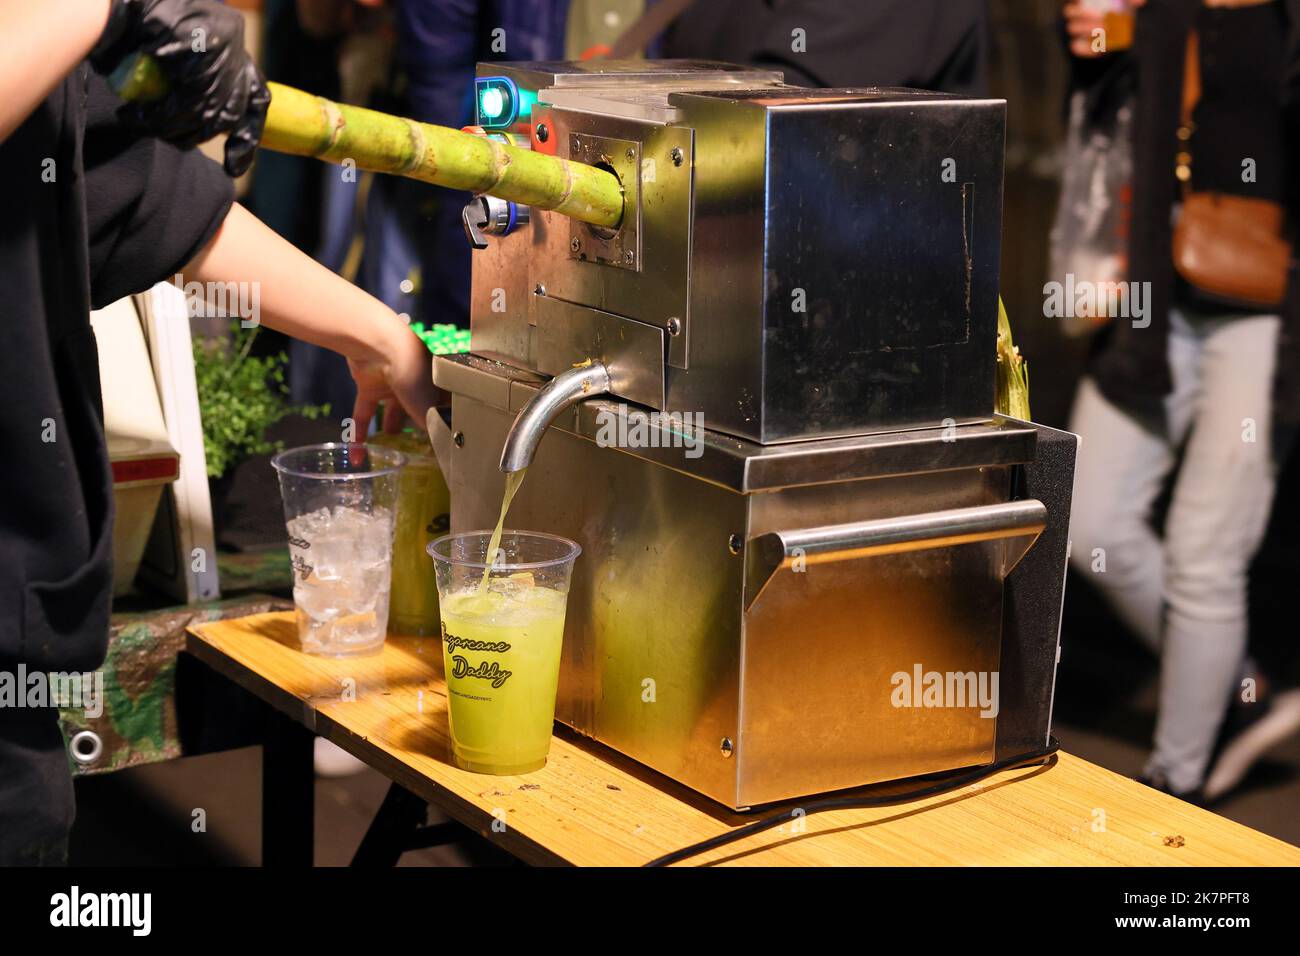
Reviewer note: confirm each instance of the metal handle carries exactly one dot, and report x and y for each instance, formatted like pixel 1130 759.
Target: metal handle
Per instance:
pixel 769 553
pixel 485 216
pixel 474 217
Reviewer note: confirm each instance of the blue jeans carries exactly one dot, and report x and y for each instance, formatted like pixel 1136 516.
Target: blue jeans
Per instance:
pixel 318 375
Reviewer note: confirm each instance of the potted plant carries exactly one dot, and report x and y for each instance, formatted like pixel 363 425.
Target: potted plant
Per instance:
pixel 240 397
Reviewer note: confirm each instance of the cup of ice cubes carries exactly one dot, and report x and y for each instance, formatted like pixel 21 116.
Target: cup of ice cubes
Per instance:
pixel 339 505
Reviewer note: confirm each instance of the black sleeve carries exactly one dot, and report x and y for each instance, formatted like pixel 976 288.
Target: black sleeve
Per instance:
pixel 150 207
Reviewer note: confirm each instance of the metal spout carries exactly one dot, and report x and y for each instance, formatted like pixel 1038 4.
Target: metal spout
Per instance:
pixel 561 392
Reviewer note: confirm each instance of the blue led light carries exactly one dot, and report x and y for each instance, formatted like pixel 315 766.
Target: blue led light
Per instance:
pixel 492 103
pixel 497 101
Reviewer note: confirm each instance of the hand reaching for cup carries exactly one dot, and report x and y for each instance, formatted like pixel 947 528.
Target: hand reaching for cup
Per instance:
pixel 402 381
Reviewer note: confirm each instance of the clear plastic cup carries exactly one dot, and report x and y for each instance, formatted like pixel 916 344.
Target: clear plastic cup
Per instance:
pixel 339 505
pixel 501 644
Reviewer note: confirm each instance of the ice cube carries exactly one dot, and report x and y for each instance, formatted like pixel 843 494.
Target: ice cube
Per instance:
pixel 321 597
pixel 363 628
pixel 304 529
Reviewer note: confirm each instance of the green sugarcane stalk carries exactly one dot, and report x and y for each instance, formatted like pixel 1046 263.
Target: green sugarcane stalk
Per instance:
pixel 307 125
pixel 1012 372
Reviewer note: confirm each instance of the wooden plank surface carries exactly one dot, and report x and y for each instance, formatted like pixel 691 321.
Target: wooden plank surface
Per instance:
pixel 592 806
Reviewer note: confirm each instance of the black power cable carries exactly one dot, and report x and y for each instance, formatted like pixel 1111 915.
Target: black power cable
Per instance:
pixel 948 784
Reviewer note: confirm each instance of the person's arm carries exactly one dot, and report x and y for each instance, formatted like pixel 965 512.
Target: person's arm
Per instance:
pixel 153 211
pixel 301 298
pixel 44 43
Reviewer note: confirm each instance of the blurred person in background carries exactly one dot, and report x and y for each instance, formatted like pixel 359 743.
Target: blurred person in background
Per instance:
pixel 1216 114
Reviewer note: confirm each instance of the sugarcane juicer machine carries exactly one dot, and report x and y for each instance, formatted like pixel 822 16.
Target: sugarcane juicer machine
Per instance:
pixel 742 336
pixel 762 402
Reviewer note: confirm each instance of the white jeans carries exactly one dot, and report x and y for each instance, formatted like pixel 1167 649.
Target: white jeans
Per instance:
pixel 1190 587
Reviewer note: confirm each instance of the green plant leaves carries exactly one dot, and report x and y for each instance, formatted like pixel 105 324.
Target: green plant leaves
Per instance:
pixel 240 397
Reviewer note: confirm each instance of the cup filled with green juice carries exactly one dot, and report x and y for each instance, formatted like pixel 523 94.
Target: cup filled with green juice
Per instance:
pixel 502 629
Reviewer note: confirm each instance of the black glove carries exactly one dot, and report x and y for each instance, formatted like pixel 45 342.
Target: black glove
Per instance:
pixel 214 86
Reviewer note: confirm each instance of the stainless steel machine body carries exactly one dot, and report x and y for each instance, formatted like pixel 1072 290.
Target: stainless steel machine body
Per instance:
pixel 795 263
pixel 797 509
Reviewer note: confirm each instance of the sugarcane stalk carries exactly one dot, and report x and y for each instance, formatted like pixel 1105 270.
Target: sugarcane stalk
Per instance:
pixel 303 124
pixel 1012 372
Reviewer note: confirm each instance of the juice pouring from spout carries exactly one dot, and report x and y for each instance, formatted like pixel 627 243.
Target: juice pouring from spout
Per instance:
pixel 513 480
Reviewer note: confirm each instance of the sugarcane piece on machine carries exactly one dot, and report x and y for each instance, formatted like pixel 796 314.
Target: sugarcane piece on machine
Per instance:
pixel 1013 372
pixel 303 124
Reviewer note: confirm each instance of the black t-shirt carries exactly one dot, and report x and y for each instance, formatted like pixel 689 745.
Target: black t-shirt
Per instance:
pixel 1239 115
pixel 91 213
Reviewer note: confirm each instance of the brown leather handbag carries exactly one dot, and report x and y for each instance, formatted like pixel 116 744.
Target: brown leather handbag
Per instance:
pixel 1229 248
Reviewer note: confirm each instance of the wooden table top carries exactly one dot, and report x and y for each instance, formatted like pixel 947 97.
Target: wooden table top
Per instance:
pixel 592 806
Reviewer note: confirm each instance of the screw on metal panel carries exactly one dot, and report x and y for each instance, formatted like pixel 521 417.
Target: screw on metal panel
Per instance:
pixel 539 289
pixel 630 154
pixel 674 326
pixel 735 544
pixel 543 134
pixel 727 747
pixel 677 155
pixel 575 244
pixel 629 257
pixel 458 439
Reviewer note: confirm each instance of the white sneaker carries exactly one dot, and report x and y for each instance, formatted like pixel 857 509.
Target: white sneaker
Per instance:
pixel 331 760
pixel 1280 721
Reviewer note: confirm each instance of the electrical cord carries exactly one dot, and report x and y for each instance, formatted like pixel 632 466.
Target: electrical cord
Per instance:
pixel 948 784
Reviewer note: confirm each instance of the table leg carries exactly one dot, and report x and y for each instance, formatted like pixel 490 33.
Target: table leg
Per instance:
pixel 390 833
pixel 400 826
pixel 288 792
